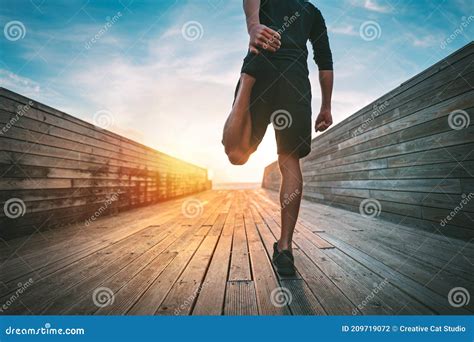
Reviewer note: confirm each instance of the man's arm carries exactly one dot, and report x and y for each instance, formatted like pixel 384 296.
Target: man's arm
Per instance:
pixel 326 80
pixel 261 36
pixel 323 58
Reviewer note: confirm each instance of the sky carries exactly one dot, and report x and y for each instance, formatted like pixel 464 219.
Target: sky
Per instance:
pixel 163 72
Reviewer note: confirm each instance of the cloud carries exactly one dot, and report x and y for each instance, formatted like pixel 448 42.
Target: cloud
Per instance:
pixel 13 81
pixel 347 30
pixel 426 41
pixel 372 5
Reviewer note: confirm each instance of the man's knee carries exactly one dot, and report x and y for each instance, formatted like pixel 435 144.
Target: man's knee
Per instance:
pixel 237 157
pixel 289 165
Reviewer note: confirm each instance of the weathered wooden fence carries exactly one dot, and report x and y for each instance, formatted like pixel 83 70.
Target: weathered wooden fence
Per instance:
pixel 409 154
pixel 56 169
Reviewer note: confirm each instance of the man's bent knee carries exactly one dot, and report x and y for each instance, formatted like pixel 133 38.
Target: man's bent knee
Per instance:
pixel 237 157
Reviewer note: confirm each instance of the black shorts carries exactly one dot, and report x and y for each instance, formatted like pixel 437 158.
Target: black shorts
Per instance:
pixel 286 104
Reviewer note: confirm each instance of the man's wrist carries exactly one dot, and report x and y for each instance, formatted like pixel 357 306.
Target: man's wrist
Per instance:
pixel 251 24
pixel 326 107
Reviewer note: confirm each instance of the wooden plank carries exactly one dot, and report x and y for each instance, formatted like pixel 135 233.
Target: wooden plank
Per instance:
pixel 212 295
pixel 302 302
pixel 129 294
pixel 332 300
pixel 265 280
pixel 440 110
pixel 81 296
pixel 424 185
pixel 45 123
pixel 239 264
pixel 438 132
pixel 434 156
pixel 343 282
pixel 431 299
pixel 376 113
pixel 154 295
pixel 58 255
pixel 61 281
pixel 182 296
pixel 240 299
pixel 397 301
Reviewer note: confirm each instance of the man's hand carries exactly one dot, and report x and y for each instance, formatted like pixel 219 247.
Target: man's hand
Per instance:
pixel 324 120
pixel 263 37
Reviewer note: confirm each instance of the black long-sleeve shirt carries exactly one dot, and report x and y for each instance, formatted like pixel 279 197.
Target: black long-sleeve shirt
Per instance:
pixel 297 21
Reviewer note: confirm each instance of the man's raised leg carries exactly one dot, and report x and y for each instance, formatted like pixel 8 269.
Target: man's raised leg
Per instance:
pixel 238 127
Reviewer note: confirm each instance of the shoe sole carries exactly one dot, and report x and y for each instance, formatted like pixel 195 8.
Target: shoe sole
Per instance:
pixel 284 271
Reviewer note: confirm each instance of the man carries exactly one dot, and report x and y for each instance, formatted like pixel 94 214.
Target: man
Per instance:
pixel 274 87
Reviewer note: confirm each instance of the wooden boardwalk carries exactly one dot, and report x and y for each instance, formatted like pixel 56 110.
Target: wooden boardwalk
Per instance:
pixel 209 254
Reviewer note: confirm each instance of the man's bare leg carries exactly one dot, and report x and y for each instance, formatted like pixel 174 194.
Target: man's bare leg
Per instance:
pixel 238 127
pixel 290 198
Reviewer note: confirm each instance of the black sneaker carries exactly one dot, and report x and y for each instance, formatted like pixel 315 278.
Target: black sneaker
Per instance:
pixel 283 261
